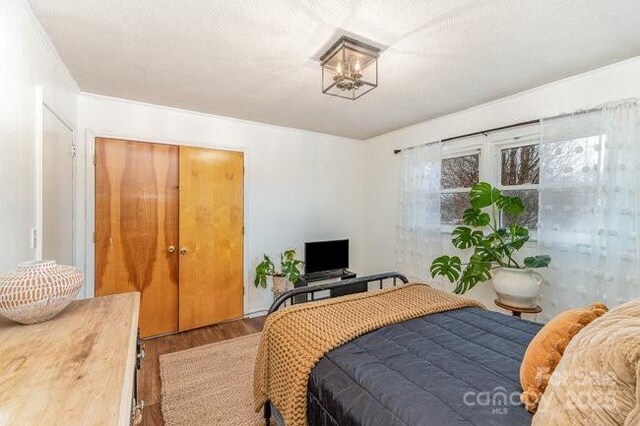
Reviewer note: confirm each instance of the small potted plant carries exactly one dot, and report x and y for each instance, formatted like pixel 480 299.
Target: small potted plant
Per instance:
pixel 516 284
pixel 283 280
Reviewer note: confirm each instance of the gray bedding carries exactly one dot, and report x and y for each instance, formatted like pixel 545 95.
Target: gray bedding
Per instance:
pixel 454 368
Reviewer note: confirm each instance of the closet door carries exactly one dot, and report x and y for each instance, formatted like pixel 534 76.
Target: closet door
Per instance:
pixel 136 223
pixel 211 236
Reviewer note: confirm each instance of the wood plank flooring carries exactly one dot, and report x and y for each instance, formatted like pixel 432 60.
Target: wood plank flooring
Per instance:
pixel 149 389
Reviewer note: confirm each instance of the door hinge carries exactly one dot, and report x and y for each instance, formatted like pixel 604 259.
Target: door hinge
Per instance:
pixel 95 159
pixel 243 230
pixel 94 236
pixel 73 151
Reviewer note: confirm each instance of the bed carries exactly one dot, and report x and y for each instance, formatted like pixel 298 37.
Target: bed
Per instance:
pixel 457 367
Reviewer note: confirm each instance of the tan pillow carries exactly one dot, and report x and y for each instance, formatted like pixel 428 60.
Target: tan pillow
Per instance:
pixel 597 380
pixel 546 349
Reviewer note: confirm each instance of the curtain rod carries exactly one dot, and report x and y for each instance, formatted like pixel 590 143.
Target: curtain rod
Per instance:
pixel 483 132
pixel 496 129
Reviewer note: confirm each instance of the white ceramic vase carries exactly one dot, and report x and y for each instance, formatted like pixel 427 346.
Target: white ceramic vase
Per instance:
pixel 517 287
pixel 38 291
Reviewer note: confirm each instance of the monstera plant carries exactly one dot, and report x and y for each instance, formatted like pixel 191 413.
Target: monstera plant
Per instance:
pixel 494 249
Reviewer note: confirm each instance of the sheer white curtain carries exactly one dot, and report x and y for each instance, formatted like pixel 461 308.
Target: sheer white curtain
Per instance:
pixel 589 205
pixel 418 222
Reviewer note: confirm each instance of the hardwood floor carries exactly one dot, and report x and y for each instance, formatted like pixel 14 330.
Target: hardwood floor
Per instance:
pixel 149 375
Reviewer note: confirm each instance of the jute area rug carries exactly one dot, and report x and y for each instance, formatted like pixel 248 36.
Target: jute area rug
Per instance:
pixel 211 384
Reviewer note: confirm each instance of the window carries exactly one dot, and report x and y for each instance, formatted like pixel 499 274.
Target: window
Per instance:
pixel 520 176
pixel 457 176
pixel 512 165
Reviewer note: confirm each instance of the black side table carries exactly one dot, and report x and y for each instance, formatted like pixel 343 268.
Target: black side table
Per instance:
pixel 341 274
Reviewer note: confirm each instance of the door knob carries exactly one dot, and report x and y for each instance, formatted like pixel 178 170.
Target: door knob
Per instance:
pixel 183 251
pixel 171 249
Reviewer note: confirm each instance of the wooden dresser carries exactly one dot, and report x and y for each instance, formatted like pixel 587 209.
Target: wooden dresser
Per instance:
pixel 77 369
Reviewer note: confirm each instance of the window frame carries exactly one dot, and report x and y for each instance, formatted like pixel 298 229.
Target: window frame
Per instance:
pixel 461 149
pixel 489 147
pixel 496 159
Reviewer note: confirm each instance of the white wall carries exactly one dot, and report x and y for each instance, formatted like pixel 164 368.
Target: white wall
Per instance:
pixel 300 186
pixel 27 60
pixel 621 80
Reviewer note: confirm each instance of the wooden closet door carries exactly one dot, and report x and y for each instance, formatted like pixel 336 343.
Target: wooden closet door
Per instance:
pixel 211 236
pixel 136 215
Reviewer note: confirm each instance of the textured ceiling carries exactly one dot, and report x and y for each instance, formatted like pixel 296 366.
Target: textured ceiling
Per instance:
pixel 257 60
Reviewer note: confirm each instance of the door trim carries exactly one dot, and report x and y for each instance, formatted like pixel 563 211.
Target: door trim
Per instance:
pixel 89 183
pixel 40 106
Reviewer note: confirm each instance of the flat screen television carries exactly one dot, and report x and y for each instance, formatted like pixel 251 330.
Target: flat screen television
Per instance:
pixel 322 256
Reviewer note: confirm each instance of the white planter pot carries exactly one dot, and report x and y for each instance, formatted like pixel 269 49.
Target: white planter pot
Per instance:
pixel 517 287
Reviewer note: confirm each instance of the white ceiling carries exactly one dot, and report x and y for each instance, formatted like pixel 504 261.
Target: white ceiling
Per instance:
pixel 257 59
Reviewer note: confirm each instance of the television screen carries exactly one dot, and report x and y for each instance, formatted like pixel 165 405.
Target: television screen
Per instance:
pixel 326 255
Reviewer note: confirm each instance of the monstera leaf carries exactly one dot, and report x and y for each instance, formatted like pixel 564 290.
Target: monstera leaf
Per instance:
pixel 476 217
pixel 497 235
pixel 541 261
pixel 518 236
pixel 486 253
pixel 518 231
pixel 483 195
pixel 510 205
pixel 516 244
pixel 474 273
pixel 463 237
pixel 448 266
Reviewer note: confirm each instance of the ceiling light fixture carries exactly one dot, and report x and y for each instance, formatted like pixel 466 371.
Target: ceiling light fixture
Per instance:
pixel 349 68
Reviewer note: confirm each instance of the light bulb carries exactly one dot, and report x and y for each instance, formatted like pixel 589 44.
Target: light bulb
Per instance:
pixel 357 66
pixel 339 68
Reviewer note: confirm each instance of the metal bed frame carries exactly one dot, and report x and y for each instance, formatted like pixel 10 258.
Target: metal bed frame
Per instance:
pixel 293 297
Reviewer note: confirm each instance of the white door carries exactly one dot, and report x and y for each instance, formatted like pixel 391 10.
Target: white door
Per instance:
pixel 57 190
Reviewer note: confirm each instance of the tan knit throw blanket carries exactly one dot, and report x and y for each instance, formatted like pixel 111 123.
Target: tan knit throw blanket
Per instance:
pixel 295 338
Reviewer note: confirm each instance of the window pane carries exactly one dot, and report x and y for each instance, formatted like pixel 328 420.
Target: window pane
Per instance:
pixel 452 206
pixel 529 218
pixel 520 166
pixel 459 172
pixel 573 162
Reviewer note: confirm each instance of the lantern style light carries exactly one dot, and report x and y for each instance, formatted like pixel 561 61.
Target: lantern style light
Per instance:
pixel 349 68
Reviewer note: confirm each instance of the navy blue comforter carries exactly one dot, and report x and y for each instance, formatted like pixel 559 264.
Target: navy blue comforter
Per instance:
pixel 453 368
